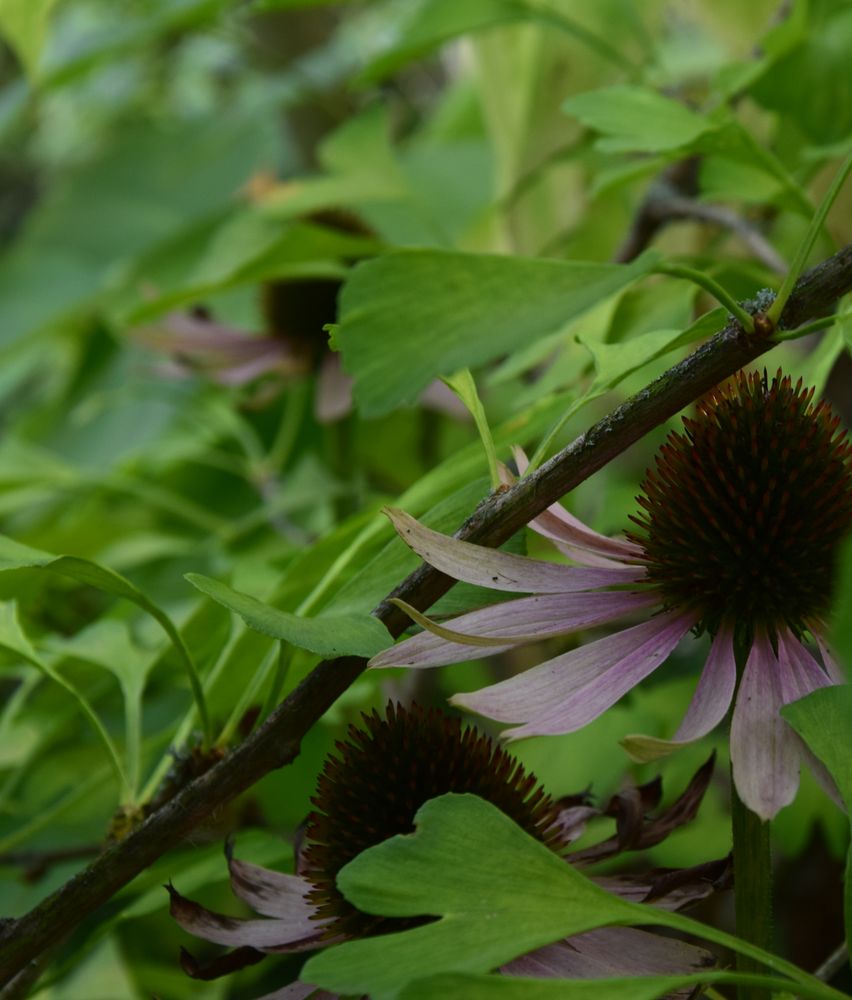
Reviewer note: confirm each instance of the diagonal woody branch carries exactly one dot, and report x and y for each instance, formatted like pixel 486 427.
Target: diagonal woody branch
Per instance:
pixel 277 741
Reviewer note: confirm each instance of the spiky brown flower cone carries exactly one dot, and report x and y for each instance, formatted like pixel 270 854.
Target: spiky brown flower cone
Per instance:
pixel 382 775
pixel 744 510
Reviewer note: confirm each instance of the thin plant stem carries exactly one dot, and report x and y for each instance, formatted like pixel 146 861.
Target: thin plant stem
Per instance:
pixel 773 313
pixel 834 963
pixel 190 719
pixel 288 429
pixel 815 326
pixel 752 873
pixel 463 385
pixel 713 288
pixel 800 982
pixel 279 678
pixel 594 42
pixel 753 882
pixel 246 698
pixel 49 818
pixel 92 716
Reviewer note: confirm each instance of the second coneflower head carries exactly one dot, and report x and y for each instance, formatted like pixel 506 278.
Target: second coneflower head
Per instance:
pixel 371 788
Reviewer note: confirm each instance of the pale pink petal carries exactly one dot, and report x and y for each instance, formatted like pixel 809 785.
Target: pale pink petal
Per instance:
pixel 557 524
pixel 524 620
pixel 274 894
pixel 832 667
pixel 549 526
pixel 502 570
pixel 709 704
pixel 440 397
pixel 573 552
pixel 567 692
pixel 188 334
pixel 212 342
pixel 611 951
pixel 299 991
pixel 804 674
pixel 286 933
pixel 265 361
pixel 764 749
pixel 225 354
pixel 333 394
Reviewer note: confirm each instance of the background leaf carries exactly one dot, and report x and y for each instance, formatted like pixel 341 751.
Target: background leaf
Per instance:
pixel 824 721
pixel 636 119
pixel 467 310
pixel 25 24
pixel 328 635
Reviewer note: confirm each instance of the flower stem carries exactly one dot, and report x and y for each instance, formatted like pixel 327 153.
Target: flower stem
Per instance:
pixel 753 886
pixel 704 281
pixel 814 229
pixel 752 873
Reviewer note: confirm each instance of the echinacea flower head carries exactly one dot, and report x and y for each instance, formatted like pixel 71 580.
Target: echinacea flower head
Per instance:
pixel 379 778
pixel 740 523
pixel 371 788
pixel 742 515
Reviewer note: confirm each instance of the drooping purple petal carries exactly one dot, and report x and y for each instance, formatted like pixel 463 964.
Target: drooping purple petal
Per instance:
pixel 709 704
pixel 567 692
pixel 524 620
pixel 546 526
pixel 225 353
pixel 274 894
pixel 764 750
pixel 671 888
pixel 611 951
pixel 268 359
pixel 559 525
pixel 285 933
pixel 580 549
pixel 802 674
pixel 572 820
pixel 223 965
pixel 806 675
pixel 832 667
pixel 502 570
pixel 637 829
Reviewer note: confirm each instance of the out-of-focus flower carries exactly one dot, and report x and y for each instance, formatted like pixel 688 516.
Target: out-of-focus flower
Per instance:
pixel 225 354
pixel 294 343
pixel 740 526
pixel 372 789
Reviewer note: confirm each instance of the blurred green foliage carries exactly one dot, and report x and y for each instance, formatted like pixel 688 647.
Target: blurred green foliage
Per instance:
pixel 468 173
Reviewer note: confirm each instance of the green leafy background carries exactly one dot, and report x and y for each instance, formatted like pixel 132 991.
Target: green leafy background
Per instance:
pixel 178 553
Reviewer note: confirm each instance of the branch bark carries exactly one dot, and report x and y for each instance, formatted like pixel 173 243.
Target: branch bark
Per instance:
pixel 276 743
pixel 672 197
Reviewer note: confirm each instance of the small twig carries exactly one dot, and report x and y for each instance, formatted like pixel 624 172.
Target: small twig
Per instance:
pixel 680 178
pixel 36 864
pixel 277 742
pixel 669 199
pixel 675 206
pixel 835 961
pixel 21 985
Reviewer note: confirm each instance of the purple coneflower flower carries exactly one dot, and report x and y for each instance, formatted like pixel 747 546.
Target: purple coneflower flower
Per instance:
pixel 372 789
pixel 740 525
